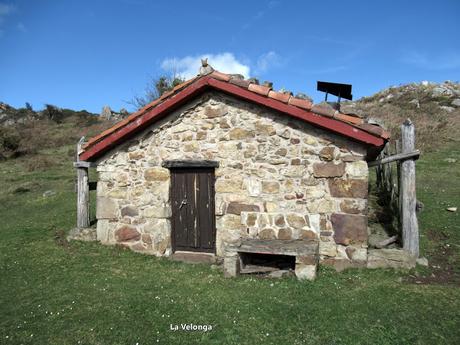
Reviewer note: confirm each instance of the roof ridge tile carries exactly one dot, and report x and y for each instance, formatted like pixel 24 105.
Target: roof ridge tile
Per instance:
pixel 260 89
pixel 240 82
pixel 220 76
pixel 301 103
pixel 279 96
pixel 323 110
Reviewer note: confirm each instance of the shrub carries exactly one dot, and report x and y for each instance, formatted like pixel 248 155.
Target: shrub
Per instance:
pixel 39 163
pixel 155 88
pixel 9 142
pixel 53 113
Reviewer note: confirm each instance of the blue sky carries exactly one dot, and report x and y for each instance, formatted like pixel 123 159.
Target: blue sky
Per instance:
pixel 86 54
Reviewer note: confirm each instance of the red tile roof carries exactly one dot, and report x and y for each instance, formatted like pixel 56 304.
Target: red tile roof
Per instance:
pixel 322 116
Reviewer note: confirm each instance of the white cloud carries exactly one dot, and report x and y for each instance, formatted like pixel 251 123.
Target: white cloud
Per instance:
pixel 444 62
pixel 266 61
pixel 21 27
pixel 189 66
pixel 260 14
pixel 5 10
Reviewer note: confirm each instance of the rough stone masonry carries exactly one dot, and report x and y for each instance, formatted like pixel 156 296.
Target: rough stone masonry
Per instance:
pixel 278 178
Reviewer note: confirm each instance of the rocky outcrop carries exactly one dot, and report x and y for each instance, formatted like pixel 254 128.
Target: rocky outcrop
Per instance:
pixel 108 114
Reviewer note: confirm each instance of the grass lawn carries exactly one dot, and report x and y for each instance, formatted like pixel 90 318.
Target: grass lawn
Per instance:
pixel 53 292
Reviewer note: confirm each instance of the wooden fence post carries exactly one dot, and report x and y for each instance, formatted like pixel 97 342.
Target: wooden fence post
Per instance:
pixel 408 195
pixel 82 191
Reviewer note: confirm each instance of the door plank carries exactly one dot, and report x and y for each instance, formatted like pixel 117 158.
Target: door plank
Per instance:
pixel 190 177
pixel 204 209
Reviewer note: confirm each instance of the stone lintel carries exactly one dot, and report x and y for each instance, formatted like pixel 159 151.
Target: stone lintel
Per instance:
pixel 279 247
pixel 190 164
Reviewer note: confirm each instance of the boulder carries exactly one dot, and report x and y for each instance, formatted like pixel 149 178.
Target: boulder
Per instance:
pixel 295 220
pixel 267 234
pixel 106 112
pixel 327 248
pixel 307 235
pixel 156 174
pixel 285 234
pixel 253 186
pixel 127 233
pixel 328 153
pixel 328 169
pixel 349 228
pixel 348 188
pixel 270 187
pixel 157 212
pixel 279 220
pixel 264 129
pixel 393 258
pixel 305 272
pixel 352 206
pixel 215 111
pixel 229 222
pixel 106 208
pixel 229 185
pixel 129 211
pixel 251 219
pixel 357 169
pixel 237 208
pixel 240 133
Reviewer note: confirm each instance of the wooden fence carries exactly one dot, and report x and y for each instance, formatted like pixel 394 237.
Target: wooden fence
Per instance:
pixel 395 169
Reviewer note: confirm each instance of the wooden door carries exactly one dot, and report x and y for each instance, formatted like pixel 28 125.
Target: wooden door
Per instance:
pixel 193 212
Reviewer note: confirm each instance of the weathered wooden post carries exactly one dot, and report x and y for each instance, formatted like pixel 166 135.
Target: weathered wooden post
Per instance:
pixel 408 195
pixel 82 190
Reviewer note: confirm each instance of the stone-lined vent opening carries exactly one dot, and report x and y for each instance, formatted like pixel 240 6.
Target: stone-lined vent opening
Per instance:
pixel 264 263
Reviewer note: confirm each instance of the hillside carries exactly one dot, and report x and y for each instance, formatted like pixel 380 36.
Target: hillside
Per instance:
pixel 25 132
pixel 434 108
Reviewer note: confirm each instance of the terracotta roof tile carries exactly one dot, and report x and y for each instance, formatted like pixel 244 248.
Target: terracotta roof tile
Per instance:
pixel 236 76
pixel 260 89
pixel 323 110
pixel 374 129
pixel 240 82
pixel 282 97
pixel 301 103
pixel 348 118
pixel 220 76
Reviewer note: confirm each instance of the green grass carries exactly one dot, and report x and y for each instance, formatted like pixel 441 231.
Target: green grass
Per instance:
pixel 85 293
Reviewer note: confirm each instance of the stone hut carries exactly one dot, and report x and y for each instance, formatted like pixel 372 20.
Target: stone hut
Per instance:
pixel 220 159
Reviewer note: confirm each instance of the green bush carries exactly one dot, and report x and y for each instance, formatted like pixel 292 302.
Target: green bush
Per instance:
pixel 9 142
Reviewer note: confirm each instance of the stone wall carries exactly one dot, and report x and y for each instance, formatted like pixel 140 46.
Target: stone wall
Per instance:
pixel 278 178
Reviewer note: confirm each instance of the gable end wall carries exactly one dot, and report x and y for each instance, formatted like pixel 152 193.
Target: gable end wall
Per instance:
pixel 277 178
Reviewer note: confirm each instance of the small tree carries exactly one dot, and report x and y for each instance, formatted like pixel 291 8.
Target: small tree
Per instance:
pixel 53 113
pixel 29 106
pixel 155 88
